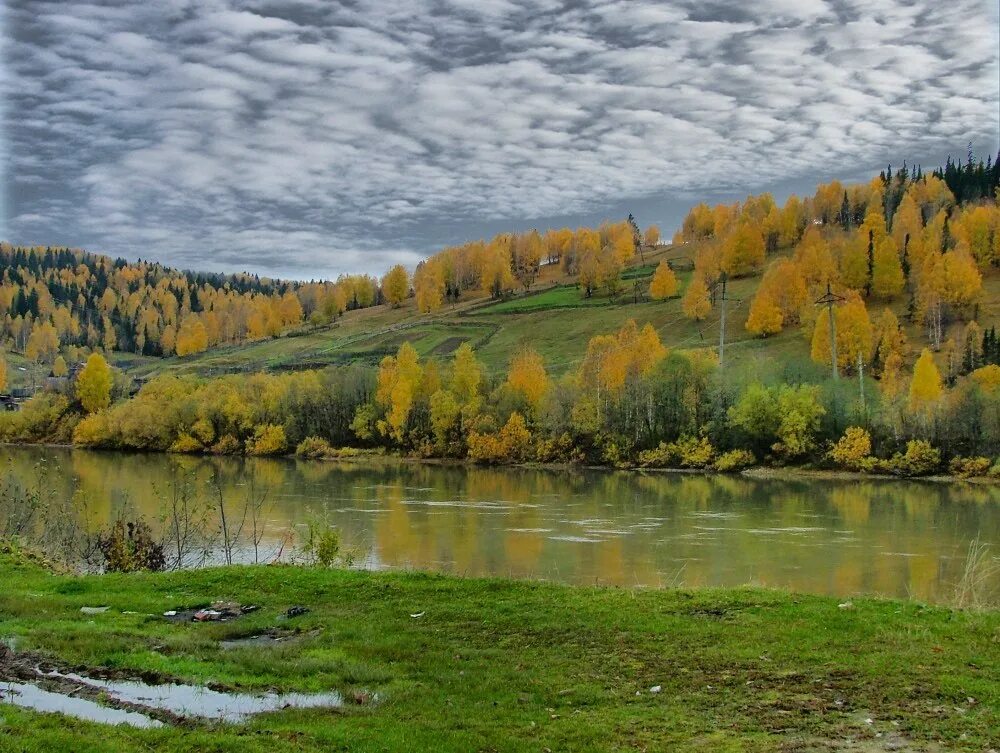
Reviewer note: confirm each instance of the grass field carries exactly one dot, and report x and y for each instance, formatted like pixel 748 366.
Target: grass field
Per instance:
pixel 494 665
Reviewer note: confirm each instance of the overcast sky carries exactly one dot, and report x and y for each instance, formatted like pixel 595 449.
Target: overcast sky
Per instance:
pixel 309 137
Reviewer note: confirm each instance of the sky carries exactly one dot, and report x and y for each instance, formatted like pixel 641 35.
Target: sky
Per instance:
pixel 310 138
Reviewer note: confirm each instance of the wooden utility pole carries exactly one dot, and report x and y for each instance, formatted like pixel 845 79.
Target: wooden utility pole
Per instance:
pixel 829 300
pixel 722 321
pixel 861 380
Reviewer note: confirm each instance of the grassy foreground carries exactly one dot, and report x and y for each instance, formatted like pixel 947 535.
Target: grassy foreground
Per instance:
pixel 498 665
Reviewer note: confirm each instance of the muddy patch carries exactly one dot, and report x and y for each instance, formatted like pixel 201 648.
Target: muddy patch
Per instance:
pixel 28 696
pixel 187 701
pixel 271 638
pixel 219 611
pixel 30 681
pixel 449 346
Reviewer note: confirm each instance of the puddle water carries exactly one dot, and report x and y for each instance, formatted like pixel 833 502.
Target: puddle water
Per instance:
pixel 192 700
pixel 261 640
pixel 30 696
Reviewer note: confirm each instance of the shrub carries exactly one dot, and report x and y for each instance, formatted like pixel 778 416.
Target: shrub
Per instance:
pixel 93 431
pixel 129 547
pixel 695 452
pixel 734 460
pixel 513 442
pixel 314 447
pixel 186 443
pixel 852 449
pixel 968 467
pixel 267 439
pixel 323 542
pixel 662 456
pixel 617 451
pixel 559 449
pixel 203 431
pixel 41 419
pixel 920 459
pixel 227 445
pixel 872 464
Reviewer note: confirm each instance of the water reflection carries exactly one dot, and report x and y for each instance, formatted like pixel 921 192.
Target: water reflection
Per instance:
pixel 893 538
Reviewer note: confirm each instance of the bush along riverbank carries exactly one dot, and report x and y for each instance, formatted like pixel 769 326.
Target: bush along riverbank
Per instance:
pixel 422 662
pixel 630 404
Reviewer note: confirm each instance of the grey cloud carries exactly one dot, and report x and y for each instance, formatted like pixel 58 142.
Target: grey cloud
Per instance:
pixel 309 138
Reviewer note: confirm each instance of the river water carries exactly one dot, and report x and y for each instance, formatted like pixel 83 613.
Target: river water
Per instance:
pixel 894 538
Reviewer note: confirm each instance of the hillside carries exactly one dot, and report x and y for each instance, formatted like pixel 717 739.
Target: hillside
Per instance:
pixel 550 292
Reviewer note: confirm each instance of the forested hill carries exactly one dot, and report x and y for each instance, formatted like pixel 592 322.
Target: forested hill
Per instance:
pixel 888 243
pixel 53 298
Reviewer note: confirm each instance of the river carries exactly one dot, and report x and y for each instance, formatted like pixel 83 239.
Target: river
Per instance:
pixel 893 538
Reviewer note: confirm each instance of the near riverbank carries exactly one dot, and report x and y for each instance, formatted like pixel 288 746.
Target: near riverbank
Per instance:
pixel 445 663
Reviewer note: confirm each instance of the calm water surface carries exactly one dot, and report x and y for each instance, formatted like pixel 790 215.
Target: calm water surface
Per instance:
pixel 893 538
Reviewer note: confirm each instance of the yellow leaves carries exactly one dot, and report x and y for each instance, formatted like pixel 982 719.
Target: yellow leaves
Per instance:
pixel 611 360
pixel 192 337
pixel 815 260
pixel 526 376
pixel 781 295
pixel 854 334
pixel 743 250
pixel 512 443
pixel 496 277
pixel 892 375
pixel 526 253
pixel 59 368
pixel 623 248
pixel 93 384
pixel 396 285
pixel 652 236
pixel 3 373
pixel 466 374
pixel 854 261
pixel 398 380
pixel 852 449
pixel 43 343
pixel 428 285
pixel 962 281
pixel 765 316
pixel 978 228
pixel 664 282
pixel 168 340
pixel 925 387
pixel 987 377
pixel 696 304
pixel 887 271
pixel 290 309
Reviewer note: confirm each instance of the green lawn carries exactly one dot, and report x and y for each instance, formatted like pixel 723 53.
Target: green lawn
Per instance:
pixel 495 665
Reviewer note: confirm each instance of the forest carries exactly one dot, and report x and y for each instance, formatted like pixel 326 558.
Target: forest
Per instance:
pixel 901 261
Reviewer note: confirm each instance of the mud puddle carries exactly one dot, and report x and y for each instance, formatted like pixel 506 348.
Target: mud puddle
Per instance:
pixel 30 681
pixel 30 696
pixel 188 701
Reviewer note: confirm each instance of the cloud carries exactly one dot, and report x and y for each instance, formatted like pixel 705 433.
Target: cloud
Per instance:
pixel 311 138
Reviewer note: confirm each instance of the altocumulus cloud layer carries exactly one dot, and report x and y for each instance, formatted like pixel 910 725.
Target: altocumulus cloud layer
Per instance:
pixel 310 137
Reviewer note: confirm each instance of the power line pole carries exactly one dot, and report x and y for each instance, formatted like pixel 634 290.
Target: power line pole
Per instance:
pixel 722 321
pixel 861 380
pixel 829 300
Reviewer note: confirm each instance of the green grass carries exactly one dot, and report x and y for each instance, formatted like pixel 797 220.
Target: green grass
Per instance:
pixel 557 321
pixel 562 296
pixel 500 665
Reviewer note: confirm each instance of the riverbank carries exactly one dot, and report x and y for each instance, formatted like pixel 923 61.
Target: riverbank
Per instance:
pixel 377 456
pixel 470 664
